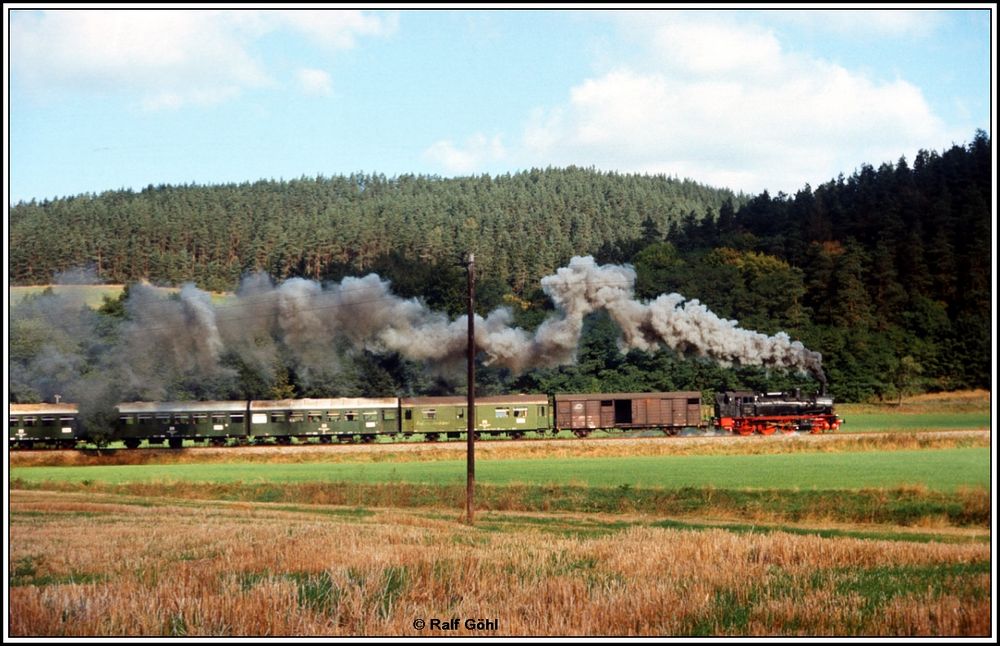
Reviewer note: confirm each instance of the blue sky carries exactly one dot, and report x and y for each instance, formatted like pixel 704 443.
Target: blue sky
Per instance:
pixel 104 99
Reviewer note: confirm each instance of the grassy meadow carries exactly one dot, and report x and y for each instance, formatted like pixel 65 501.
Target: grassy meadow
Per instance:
pixel 941 411
pixel 937 469
pixel 91 296
pixel 852 535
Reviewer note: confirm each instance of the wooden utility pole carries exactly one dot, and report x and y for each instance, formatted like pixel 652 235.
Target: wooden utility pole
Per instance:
pixel 470 481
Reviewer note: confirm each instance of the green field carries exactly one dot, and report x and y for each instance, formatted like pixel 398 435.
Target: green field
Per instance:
pixel 90 295
pixel 939 470
pixel 865 535
pixel 869 422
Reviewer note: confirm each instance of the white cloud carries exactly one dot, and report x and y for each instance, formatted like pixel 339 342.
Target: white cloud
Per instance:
pixel 716 48
pixel 314 82
pixel 477 152
pixel 867 22
pixel 724 104
pixel 168 58
pixel 334 29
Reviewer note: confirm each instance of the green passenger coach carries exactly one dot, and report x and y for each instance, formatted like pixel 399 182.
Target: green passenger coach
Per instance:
pixel 201 421
pixel 48 424
pixel 511 415
pixel 343 419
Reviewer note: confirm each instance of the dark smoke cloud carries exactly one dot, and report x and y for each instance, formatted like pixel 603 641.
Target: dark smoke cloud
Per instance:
pixel 312 326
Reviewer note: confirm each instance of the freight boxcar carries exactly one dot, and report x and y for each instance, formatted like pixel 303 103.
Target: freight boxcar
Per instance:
pixel 669 412
pixel 43 424
pixel 344 419
pixel 510 415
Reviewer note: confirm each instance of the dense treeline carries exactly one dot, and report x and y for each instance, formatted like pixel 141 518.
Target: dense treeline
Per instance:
pixel 886 272
pixel 521 226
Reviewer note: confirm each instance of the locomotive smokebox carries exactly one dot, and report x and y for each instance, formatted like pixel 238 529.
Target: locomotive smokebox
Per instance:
pixel 824 402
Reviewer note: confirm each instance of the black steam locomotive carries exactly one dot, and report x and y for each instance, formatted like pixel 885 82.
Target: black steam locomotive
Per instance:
pixel 745 412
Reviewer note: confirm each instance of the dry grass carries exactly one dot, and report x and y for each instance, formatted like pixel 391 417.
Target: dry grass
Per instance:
pixel 956 396
pixel 87 566
pixel 508 450
pixel 90 295
pixel 957 401
pixel 913 506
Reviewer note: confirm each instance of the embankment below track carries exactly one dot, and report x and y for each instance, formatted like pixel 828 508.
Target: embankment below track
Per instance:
pixel 699 444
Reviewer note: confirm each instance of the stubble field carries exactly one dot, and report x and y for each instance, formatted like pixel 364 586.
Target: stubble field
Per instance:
pixel 884 535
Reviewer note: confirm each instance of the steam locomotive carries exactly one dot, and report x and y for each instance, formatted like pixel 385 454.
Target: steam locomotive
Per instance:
pixel 220 423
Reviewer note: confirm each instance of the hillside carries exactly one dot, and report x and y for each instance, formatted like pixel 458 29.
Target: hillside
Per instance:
pixel 520 226
pixel 886 273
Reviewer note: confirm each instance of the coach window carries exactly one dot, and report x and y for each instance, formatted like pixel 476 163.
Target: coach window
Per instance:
pixel 351 415
pixel 295 417
pixel 13 422
pixel 521 413
pixel 200 418
pixel 48 421
pixel 388 414
pixel 502 413
pixel 277 418
pixel 541 411
pixel 408 414
pixel 65 421
pixel 29 421
pixel 218 419
pixel 460 413
pixel 128 420
pixel 430 413
pixel 182 419
pixel 314 416
pixel 163 419
pixel 236 419
pixel 370 416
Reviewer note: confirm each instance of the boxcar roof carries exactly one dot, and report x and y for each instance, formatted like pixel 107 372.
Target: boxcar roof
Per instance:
pixel 182 407
pixel 462 401
pixel 325 404
pixel 43 409
pixel 592 396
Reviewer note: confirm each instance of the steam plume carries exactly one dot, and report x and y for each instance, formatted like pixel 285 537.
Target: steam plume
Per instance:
pixel 668 321
pixel 311 325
